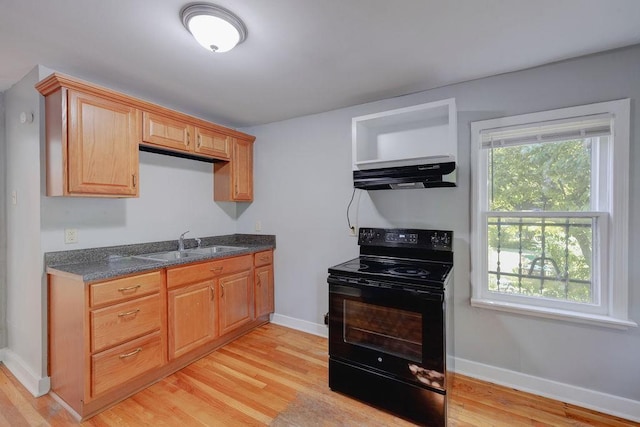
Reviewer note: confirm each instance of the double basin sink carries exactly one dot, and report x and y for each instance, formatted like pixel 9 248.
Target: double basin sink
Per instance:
pixel 187 253
pixel 175 255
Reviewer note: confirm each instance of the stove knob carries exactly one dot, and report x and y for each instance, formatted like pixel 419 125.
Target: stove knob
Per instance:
pixel 380 359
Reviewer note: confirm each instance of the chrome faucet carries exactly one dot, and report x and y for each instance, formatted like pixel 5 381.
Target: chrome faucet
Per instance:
pixel 181 241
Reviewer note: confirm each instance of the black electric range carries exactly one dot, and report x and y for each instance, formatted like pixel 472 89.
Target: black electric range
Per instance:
pixel 387 328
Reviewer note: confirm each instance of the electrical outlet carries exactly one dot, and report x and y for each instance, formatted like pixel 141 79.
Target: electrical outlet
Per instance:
pixel 258 225
pixel 352 231
pixel 71 235
pixel 14 197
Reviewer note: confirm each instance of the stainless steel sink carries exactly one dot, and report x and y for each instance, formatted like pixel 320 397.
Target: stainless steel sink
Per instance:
pixel 188 253
pixel 212 250
pixel 166 256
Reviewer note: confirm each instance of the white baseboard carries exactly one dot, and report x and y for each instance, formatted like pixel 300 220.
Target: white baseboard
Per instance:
pixel 36 385
pixel 601 402
pixel 300 325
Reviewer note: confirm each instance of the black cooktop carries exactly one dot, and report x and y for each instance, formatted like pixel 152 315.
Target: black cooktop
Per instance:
pixel 394 269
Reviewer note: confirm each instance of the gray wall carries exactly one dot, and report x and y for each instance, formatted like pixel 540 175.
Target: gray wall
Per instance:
pixel 3 230
pixel 303 185
pixel 26 299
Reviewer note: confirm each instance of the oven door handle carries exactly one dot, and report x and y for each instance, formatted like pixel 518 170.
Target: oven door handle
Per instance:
pixel 358 290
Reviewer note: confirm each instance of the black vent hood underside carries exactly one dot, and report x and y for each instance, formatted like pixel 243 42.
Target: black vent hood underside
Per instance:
pixel 405 177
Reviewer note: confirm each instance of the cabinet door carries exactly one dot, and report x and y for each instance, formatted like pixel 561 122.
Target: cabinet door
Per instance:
pixel 103 139
pixel 242 177
pixel 212 143
pixel 264 290
pixel 165 132
pixel 233 180
pixel 236 302
pixel 192 317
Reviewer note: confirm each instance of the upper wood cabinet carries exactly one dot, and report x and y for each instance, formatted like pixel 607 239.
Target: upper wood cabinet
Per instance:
pixel 165 132
pixel 93 135
pixel 212 143
pixel 179 136
pixel 233 180
pixel 91 145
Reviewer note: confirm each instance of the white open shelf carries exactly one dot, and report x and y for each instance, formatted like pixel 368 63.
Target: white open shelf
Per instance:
pixel 425 133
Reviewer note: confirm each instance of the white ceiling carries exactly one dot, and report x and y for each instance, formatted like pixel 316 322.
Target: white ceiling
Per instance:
pixel 302 56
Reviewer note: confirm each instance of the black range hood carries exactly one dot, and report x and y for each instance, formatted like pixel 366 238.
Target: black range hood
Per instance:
pixel 406 177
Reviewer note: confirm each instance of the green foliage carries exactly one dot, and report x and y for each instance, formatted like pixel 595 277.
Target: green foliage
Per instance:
pixel 542 177
pixel 546 177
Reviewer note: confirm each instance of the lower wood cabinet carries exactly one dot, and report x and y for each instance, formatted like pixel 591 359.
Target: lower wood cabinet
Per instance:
pixel 208 300
pixel 192 317
pixel 104 336
pixel 263 283
pixel 236 303
pixel 110 339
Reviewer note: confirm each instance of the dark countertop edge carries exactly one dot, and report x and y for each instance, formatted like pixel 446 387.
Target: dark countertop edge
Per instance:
pixel 92 264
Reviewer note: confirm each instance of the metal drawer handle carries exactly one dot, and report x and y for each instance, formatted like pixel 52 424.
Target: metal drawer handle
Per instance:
pixel 129 313
pixel 130 288
pixel 264 258
pixel 133 353
pixel 216 269
pixel 222 292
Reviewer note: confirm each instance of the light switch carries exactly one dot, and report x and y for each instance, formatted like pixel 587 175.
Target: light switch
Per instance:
pixel 14 197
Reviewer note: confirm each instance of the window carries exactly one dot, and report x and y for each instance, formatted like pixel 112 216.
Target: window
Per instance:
pixel 550 213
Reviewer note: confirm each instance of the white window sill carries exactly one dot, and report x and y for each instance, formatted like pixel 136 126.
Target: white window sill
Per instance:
pixel 552 313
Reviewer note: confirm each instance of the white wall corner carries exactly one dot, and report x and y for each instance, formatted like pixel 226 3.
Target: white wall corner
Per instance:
pixel 601 402
pixel 300 325
pixel 37 386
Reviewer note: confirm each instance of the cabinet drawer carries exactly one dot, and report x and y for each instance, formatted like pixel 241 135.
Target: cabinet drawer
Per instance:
pixel 114 367
pixel 263 258
pixel 194 273
pixel 115 324
pixel 123 289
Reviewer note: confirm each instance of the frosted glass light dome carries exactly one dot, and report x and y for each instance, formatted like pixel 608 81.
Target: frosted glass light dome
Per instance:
pixel 215 28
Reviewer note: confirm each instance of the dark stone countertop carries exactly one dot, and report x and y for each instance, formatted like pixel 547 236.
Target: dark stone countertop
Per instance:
pixel 95 264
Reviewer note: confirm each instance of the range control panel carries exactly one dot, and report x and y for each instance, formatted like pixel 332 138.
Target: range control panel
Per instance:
pixel 427 239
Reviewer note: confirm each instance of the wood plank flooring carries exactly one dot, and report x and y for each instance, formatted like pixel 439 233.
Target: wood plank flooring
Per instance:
pixel 278 376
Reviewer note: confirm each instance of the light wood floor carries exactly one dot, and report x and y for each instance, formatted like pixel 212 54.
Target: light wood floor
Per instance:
pixel 277 376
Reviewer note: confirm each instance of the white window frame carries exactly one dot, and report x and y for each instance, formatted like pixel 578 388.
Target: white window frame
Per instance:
pixel 610 238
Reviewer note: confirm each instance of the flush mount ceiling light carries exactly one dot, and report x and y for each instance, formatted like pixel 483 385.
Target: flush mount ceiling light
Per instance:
pixel 214 27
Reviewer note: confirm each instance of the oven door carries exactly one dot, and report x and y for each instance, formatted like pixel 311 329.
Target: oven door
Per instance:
pixel 395 332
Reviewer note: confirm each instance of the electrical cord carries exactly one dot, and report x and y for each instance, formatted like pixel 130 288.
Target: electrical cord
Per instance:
pixel 349 207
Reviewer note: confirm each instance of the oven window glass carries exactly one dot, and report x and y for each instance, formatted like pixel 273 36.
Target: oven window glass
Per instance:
pixel 389 330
